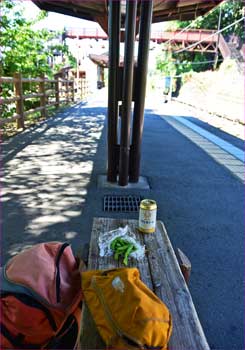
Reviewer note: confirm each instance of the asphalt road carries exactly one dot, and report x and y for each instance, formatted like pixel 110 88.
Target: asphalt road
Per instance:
pixel 49 192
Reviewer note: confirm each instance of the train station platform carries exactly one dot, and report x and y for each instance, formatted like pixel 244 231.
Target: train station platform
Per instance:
pixel 50 192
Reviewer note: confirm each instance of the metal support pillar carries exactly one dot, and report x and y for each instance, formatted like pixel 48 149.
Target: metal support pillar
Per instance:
pixel 114 25
pixel 170 89
pixel 141 75
pixel 131 10
pixel 218 39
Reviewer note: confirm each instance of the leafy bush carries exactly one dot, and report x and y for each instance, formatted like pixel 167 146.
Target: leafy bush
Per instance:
pixel 27 51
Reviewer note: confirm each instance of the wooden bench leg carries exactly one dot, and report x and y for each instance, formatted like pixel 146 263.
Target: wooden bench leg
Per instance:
pixel 82 256
pixel 185 264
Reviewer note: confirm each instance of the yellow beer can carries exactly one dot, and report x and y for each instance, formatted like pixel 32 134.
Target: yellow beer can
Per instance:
pixel 147 216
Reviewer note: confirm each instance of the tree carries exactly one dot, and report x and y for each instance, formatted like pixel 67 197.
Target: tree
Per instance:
pixel 24 49
pixel 166 63
pixel 232 10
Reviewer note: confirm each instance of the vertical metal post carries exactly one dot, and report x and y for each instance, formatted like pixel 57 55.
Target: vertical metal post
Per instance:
pixel 103 76
pixel 218 39
pixel 141 75
pixel 114 49
pixel 170 89
pixel 131 10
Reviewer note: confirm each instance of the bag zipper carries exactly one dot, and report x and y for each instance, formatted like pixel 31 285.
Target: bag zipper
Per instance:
pixel 57 282
pixel 117 330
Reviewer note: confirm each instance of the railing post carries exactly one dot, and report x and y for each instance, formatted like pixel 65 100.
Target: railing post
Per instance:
pixel 78 85
pixel 62 86
pixel 57 93
pixel 82 85
pixel 43 97
pixel 20 103
pixel 66 91
pixel 85 89
pixel 73 91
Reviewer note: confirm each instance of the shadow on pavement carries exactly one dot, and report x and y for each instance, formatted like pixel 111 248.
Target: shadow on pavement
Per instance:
pixel 50 193
pixel 46 180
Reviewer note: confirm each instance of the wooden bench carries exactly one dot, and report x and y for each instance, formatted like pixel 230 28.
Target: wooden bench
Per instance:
pixel 160 271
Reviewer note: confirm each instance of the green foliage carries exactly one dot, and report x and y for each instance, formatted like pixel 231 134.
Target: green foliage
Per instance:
pixel 181 65
pixel 175 64
pixel 232 10
pixel 166 63
pixel 172 65
pixel 24 49
pixel 27 51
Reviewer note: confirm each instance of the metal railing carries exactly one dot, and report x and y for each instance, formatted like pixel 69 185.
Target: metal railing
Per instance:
pixel 157 35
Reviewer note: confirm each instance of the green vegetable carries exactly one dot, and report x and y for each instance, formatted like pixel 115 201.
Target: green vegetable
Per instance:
pixel 113 244
pixel 121 247
pixel 116 255
pixel 125 260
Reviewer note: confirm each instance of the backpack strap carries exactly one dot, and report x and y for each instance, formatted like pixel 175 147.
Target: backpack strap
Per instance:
pixel 69 333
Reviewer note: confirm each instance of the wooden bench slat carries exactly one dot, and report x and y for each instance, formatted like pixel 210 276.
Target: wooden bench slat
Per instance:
pixel 160 271
pixel 187 330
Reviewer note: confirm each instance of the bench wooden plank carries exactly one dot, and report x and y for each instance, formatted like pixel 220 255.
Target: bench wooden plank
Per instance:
pixel 95 262
pixel 160 272
pixel 171 287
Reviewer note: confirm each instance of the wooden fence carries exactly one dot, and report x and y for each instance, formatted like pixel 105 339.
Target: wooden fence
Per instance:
pixel 51 92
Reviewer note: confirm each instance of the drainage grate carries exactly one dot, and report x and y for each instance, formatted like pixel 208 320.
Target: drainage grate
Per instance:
pixel 121 203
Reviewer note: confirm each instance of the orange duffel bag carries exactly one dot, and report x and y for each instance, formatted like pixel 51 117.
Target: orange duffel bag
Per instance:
pixel 126 312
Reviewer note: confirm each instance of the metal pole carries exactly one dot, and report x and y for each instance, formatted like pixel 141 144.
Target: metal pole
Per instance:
pixel 217 43
pixel 141 75
pixel 114 47
pixel 170 89
pixel 128 71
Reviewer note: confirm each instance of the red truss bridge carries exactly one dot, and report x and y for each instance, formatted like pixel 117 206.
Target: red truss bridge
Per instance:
pixel 206 42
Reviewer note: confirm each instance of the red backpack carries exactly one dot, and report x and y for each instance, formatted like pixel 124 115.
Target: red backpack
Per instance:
pixel 41 299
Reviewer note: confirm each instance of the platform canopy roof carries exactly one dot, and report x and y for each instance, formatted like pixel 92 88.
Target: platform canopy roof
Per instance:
pixel 97 10
pixel 103 60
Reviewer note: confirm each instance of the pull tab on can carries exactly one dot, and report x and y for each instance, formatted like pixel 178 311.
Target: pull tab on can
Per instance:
pixel 147 216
